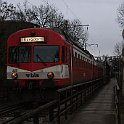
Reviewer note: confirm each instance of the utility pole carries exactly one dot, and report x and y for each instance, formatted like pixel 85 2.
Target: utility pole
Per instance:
pixel 66 24
pixel 84 25
pixel 90 45
pixel 0 3
pixel 86 44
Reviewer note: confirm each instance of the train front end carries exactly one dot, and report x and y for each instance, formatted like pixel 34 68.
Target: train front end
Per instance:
pixel 34 58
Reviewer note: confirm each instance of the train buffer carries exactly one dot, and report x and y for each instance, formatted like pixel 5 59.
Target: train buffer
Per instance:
pixel 99 110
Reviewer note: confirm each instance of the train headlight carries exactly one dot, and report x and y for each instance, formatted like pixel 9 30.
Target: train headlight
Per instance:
pixel 50 75
pixel 14 75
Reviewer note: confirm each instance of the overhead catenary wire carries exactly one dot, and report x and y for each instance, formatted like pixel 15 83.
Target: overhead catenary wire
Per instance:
pixel 68 8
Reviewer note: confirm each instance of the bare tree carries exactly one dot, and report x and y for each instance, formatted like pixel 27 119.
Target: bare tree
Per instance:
pixel 120 15
pixel 46 16
pixel 7 11
pixel 118 48
pixel 76 31
pixel 25 13
pixel 79 31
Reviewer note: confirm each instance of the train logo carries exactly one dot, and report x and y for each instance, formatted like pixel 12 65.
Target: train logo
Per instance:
pixel 32 75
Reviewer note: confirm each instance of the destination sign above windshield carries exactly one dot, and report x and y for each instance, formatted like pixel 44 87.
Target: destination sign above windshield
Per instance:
pixel 32 39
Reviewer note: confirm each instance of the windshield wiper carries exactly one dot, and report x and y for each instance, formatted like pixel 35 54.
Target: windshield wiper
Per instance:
pixel 41 60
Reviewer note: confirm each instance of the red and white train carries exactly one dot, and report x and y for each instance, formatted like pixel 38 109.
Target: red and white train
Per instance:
pixel 37 56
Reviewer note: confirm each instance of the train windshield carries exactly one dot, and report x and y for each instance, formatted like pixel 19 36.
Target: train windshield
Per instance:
pixel 46 53
pixel 20 54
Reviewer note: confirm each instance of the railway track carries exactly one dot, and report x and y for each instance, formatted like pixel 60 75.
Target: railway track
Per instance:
pixel 44 115
pixel 8 111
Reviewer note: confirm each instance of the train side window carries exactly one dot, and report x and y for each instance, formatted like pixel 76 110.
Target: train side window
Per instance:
pixel 66 54
pixel 81 61
pixel 78 59
pixel 63 54
pixel 75 59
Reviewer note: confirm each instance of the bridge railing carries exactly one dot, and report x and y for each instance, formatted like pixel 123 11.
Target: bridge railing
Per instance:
pixel 117 102
pixel 69 99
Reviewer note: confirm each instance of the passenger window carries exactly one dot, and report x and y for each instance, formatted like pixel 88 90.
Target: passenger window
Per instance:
pixel 66 54
pixel 78 59
pixel 63 54
pixel 75 59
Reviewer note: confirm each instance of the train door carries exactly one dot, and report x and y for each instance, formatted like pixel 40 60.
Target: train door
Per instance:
pixel 71 63
pixel 67 59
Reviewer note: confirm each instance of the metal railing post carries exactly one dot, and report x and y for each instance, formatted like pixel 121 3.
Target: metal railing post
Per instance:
pixel 51 114
pixel 36 119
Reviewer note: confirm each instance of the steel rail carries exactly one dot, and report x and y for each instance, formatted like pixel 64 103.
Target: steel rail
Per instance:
pixel 30 113
pixel 10 108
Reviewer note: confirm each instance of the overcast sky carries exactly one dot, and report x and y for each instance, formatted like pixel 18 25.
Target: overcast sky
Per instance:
pixel 101 15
